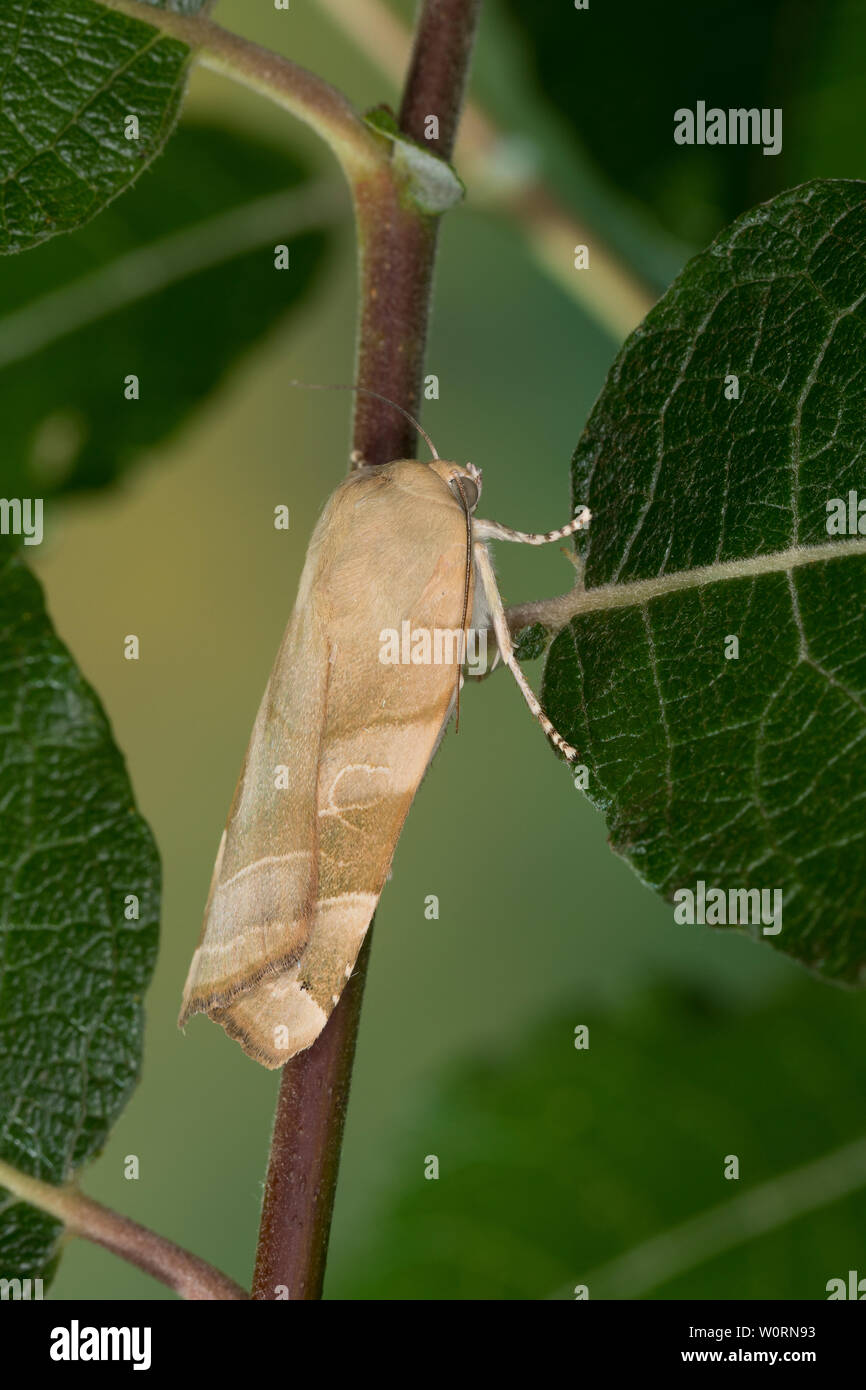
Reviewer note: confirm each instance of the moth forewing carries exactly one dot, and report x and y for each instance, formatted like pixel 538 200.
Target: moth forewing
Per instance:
pixel 304 857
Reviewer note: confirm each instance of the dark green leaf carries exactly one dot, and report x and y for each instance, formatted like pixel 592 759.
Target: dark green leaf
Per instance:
pixel 710 522
pixel 557 1165
pixel 71 74
pixel 532 642
pixel 171 284
pixel 73 968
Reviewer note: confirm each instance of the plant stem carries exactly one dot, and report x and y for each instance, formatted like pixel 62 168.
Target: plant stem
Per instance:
pixel 397 246
pixel 297 90
pixel 614 294
pixel 438 70
pixel 189 1276
pixel 305 1153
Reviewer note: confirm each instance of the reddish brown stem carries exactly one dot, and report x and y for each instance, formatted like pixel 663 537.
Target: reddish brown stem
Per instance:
pixel 398 245
pixel 305 1154
pixel 188 1275
pixel 439 68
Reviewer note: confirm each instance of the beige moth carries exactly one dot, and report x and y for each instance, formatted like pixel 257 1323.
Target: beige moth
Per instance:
pixel 340 744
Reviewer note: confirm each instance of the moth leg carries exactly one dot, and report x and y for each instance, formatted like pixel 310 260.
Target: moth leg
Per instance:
pixel 484 570
pixel 357 460
pixel 494 531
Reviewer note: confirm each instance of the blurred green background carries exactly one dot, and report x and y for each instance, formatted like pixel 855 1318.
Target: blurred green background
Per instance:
pixel 553 1161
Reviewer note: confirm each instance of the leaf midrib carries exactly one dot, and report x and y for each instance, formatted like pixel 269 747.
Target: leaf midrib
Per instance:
pixel 556 613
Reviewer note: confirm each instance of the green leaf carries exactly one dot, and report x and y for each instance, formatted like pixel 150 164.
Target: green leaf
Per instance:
pixel 71 74
pixel 532 642
pixel 73 969
pixel 171 284
pixel 710 522
pixel 605 1165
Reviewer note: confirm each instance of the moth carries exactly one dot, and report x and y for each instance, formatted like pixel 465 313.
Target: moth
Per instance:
pixel 340 744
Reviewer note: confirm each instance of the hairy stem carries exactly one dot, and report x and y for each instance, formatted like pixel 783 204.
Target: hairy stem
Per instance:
pixel 438 70
pixel 303 93
pixel 397 246
pixel 555 613
pixel 189 1276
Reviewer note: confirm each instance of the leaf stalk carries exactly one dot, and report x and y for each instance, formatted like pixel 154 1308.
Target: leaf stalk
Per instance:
pixel 190 1277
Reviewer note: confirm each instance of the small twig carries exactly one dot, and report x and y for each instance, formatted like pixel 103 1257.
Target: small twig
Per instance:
pixel 188 1275
pixel 296 89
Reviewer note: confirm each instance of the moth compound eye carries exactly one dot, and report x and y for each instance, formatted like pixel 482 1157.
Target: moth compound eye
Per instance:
pixel 465 490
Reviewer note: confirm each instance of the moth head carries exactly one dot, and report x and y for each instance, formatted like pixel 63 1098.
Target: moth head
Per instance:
pixel 464 482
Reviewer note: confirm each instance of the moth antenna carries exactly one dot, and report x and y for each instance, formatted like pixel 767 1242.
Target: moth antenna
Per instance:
pixel 365 391
pixel 456 479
